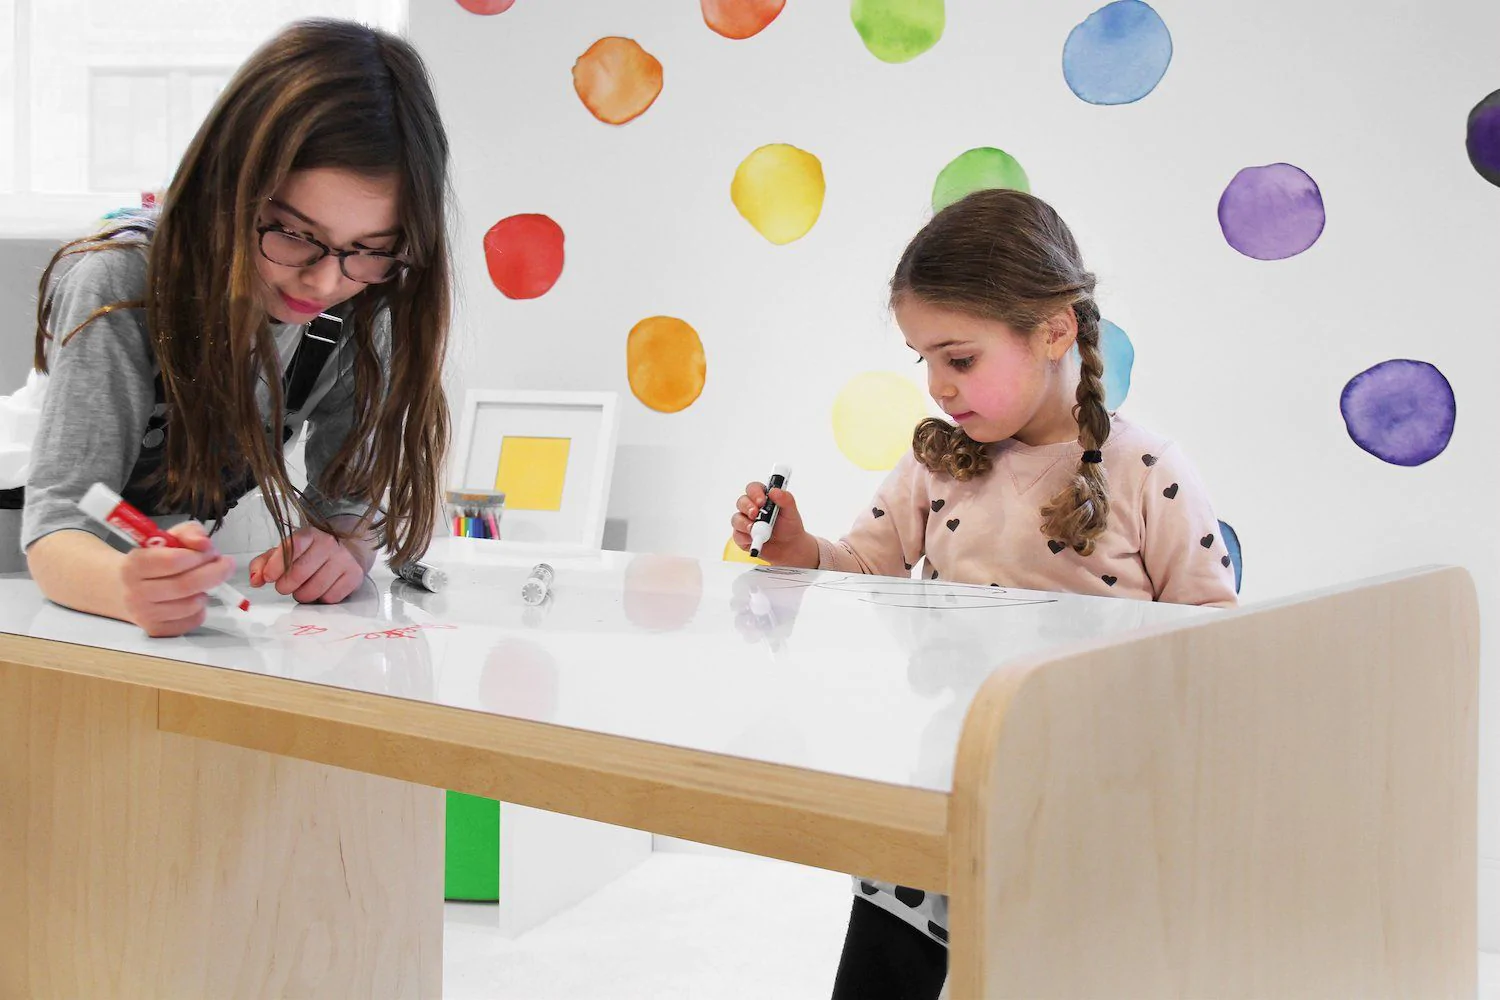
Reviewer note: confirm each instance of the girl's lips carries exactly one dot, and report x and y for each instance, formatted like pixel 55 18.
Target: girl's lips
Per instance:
pixel 961 417
pixel 300 306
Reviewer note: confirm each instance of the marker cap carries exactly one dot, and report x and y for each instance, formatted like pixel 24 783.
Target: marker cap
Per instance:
pixel 99 502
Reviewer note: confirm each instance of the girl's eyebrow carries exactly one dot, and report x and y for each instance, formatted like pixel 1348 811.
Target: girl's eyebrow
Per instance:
pixel 317 225
pixel 946 343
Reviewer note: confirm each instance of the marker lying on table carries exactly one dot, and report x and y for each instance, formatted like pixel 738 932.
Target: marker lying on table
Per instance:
pixel 760 531
pixel 105 506
pixel 429 578
pixel 534 590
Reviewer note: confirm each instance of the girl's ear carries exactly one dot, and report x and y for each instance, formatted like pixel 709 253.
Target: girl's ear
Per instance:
pixel 1061 332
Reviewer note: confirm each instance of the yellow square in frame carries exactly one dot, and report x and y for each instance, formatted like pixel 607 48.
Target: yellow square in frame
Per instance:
pixel 532 472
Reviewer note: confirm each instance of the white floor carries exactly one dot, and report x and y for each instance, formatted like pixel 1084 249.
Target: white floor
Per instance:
pixel 676 925
pixel 682 925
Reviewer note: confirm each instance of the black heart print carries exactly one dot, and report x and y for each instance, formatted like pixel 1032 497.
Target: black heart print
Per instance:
pixel 911 897
pixel 1150 460
pixel 1170 492
pixel 953 524
pixel 934 574
pixel 908 566
pixel 877 512
pixel 1111 580
pixel 1207 541
pixel 1055 545
pixel 937 505
pixel 1225 561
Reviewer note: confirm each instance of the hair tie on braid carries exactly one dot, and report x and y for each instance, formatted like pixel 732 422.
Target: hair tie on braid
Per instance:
pixel 1093 456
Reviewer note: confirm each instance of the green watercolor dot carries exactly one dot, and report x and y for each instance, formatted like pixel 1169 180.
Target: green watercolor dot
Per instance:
pixel 977 170
pixel 896 31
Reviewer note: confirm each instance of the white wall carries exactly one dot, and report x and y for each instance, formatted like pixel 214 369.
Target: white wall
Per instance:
pixel 1241 360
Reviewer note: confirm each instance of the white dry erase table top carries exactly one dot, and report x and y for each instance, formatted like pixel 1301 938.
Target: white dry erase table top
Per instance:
pixel 856 676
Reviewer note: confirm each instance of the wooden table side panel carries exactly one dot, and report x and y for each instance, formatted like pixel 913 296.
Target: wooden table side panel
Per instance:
pixel 159 865
pixel 1278 803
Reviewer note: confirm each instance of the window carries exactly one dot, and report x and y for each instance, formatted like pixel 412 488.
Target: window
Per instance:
pixel 99 98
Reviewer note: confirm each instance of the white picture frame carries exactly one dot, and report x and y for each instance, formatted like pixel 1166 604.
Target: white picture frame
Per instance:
pixel 589 420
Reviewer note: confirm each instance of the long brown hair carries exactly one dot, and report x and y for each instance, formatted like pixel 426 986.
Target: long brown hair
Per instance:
pixel 1008 256
pixel 321 93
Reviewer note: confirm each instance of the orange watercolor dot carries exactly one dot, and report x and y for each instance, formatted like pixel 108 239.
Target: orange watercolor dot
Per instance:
pixel 486 6
pixel 665 363
pixel 740 18
pixel 617 80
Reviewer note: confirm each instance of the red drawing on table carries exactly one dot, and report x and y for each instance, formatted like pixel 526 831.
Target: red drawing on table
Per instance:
pixel 399 632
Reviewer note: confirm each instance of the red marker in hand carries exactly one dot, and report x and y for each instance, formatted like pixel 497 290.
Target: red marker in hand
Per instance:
pixel 105 506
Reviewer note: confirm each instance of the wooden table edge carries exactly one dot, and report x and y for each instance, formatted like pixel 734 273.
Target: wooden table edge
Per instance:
pixel 863 827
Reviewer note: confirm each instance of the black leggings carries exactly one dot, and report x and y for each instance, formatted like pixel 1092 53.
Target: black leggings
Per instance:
pixel 888 959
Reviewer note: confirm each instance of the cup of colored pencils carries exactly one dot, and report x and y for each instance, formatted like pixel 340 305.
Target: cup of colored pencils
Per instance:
pixel 475 513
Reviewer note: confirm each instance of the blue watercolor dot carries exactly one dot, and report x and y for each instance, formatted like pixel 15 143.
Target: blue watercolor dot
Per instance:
pixel 1118 54
pixel 1400 411
pixel 1232 544
pixel 1119 359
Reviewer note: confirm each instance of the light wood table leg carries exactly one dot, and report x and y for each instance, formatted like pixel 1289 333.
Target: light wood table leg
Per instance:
pixel 136 863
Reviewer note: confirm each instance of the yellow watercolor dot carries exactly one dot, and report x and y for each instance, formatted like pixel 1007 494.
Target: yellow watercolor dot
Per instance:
pixel 733 553
pixel 779 190
pixel 665 363
pixel 874 416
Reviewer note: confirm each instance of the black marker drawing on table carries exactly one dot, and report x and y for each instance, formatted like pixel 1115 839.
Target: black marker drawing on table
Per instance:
pixel 903 593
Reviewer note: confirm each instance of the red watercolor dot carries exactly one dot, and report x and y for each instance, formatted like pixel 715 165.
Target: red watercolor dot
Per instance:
pixel 524 254
pixel 486 6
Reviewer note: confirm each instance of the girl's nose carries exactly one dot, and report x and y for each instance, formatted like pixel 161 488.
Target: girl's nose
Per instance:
pixel 324 277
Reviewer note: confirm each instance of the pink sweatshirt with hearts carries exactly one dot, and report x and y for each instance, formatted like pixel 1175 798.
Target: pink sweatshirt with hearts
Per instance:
pixel 1162 541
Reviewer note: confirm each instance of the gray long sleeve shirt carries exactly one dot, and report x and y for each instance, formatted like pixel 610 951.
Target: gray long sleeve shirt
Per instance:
pixel 101 408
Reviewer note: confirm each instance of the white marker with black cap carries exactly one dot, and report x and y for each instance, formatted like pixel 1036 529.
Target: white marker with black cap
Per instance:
pixel 760 531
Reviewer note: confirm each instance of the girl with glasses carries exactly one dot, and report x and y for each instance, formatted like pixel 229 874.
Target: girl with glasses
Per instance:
pixel 297 271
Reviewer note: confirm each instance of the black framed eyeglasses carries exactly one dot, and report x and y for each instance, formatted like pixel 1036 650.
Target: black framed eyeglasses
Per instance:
pixel 370 267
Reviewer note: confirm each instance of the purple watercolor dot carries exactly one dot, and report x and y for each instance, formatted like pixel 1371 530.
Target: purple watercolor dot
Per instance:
pixel 1271 212
pixel 1483 141
pixel 1400 411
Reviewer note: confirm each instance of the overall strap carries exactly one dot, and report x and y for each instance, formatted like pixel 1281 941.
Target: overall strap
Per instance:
pixel 318 342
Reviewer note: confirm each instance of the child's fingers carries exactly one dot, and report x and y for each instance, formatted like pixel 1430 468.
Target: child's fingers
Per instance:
pixel 192 536
pixel 159 562
pixel 756 492
pixel 190 583
pixel 276 566
pixel 747 507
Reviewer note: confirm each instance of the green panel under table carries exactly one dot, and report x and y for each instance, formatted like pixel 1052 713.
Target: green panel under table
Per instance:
pixel 472 861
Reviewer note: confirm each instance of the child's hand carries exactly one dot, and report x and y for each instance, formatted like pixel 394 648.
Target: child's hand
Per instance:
pixel 790 544
pixel 166 589
pixel 322 570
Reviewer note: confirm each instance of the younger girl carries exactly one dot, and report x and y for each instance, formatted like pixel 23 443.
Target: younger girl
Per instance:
pixel 297 272
pixel 1034 484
